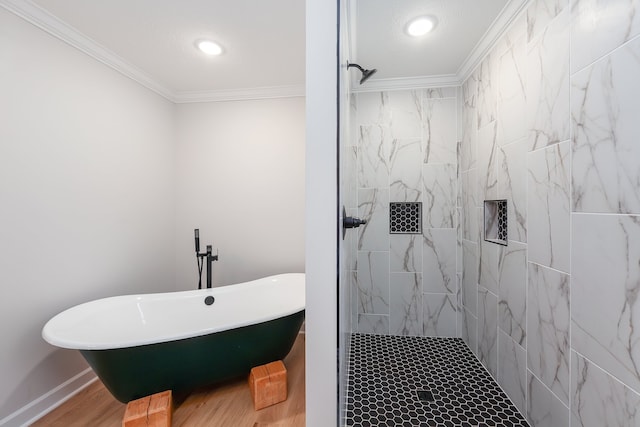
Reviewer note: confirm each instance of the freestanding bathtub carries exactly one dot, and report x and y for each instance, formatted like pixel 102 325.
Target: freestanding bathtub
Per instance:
pixel 143 344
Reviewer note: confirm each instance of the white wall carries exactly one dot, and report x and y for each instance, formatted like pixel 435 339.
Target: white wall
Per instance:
pixel 101 185
pixel 347 198
pixel 86 199
pixel 240 180
pixel 321 215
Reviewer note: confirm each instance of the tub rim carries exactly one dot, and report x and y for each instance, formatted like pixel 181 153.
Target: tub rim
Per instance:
pixel 50 335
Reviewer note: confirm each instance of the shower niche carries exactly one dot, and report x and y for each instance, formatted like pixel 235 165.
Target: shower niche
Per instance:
pixel 495 221
pixel 405 218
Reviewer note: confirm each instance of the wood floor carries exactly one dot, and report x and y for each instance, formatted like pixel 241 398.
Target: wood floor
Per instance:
pixel 226 405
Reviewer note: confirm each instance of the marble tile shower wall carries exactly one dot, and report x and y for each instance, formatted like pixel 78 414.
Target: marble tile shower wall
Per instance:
pixel 550 121
pixel 406 284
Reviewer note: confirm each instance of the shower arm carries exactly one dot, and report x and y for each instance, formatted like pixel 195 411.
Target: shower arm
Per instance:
pixel 349 65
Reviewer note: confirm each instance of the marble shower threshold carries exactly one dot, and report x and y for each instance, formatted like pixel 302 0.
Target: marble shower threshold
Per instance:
pixel 422 381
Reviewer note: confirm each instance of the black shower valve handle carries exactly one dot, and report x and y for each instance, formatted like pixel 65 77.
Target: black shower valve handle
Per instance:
pixel 353 222
pixel 209 253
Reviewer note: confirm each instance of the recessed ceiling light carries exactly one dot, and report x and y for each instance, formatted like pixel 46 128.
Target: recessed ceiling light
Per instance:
pixel 420 26
pixel 209 47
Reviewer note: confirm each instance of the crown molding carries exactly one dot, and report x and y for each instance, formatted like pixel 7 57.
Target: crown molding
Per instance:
pixel 487 42
pixel 489 39
pixel 39 17
pixel 270 92
pixel 44 20
pixel 403 83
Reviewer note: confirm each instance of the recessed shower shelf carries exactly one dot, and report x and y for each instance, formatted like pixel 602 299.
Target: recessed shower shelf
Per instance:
pixel 495 221
pixel 405 218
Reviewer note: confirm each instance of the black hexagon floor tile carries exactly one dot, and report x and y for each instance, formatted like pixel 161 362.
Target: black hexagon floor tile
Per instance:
pixel 422 382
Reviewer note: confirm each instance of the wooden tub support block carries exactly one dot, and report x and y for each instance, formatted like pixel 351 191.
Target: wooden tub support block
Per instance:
pixel 268 384
pixel 150 411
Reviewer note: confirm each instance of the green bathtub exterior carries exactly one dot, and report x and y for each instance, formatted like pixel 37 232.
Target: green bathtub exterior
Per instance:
pixel 184 365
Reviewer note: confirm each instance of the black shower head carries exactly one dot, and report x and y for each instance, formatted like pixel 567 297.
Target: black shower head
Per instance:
pixel 365 73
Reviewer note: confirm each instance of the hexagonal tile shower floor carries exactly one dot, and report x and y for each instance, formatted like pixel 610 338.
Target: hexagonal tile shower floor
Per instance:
pixel 422 381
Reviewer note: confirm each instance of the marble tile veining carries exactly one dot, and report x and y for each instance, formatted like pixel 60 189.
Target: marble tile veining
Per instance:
pixel 543 408
pixel 488 163
pixel 405 316
pixel 373 156
pixel 470 276
pixel 405 176
pixel 469 202
pixel 440 92
pixel 561 145
pixel 373 205
pixel 512 284
pixel 439 196
pixel 488 330
pixel 373 324
pixel 459 306
pixel 540 13
pixel 406 114
pixel 548 328
pixel 512 92
pixel 548 84
pixel 373 282
pixel 512 371
pixel 599 26
pixel 469 330
pixel 548 208
pixel 350 177
pixel 604 115
pixel 600 400
pixel 406 253
pixel 407 152
pixel 487 90
pixel 605 297
pixel 439 260
pixel 469 125
pixel 512 185
pixel 459 260
pixel 488 272
pixel 439 130
pixel 373 108
pixel 440 313
pixel 353 283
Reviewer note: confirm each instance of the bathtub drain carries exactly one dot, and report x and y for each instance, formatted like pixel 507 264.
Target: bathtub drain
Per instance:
pixel 209 300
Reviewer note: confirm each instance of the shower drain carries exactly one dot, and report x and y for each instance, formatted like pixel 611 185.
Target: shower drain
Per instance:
pixel 425 396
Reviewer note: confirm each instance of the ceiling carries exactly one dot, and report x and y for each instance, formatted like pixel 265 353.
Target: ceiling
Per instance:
pixel 382 43
pixel 152 41
pixel 264 41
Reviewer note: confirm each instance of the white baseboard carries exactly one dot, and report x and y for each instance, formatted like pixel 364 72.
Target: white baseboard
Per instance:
pixel 46 403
